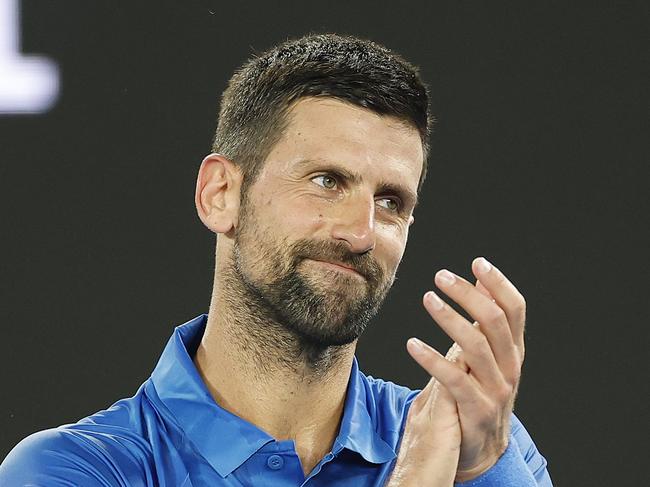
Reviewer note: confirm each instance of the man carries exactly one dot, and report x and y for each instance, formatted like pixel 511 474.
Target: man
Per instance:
pixel 318 158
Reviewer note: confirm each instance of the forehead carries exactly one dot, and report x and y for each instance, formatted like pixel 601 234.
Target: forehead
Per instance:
pixel 371 145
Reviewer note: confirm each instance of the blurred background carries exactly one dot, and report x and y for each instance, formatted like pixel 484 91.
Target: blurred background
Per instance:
pixel 539 162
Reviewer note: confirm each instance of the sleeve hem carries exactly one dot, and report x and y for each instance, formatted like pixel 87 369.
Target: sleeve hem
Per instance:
pixel 510 469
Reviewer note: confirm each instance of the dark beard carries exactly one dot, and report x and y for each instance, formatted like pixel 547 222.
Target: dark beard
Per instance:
pixel 287 319
pixel 318 317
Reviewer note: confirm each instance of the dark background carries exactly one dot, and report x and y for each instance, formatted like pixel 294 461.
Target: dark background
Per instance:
pixel 539 162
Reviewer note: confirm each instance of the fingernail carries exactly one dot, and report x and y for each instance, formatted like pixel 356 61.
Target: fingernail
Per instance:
pixel 415 345
pixel 445 277
pixel 434 300
pixel 483 266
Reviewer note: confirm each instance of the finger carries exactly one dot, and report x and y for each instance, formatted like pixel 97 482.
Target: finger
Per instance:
pixel 455 355
pixel 477 351
pixel 483 290
pixel 459 384
pixel 427 394
pixel 454 352
pixel 493 320
pixel 506 296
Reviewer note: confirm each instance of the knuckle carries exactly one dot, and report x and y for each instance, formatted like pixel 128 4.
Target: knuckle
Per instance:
pixel 496 315
pixel 520 359
pixel 521 306
pixel 478 342
pixel 514 373
pixel 522 302
pixel 504 394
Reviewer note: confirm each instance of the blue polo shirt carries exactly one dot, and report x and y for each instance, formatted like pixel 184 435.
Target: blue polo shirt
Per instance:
pixel 172 433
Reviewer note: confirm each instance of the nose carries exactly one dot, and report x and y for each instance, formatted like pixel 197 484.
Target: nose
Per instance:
pixel 355 224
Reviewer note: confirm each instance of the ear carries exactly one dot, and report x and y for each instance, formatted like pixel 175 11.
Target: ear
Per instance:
pixel 411 220
pixel 217 193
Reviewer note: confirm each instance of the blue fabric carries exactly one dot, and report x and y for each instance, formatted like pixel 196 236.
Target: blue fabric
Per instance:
pixel 172 433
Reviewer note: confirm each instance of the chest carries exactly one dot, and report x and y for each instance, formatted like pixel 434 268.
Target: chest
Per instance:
pixel 284 469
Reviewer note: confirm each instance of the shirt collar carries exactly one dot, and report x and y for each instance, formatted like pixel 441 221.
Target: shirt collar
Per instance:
pixel 358 429
pixel 225 440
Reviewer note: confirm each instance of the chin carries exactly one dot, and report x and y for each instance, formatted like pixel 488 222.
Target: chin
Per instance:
pixel 339 288
pixel 329 325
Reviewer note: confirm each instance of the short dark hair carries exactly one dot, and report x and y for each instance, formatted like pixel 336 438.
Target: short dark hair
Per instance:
pixel 254 105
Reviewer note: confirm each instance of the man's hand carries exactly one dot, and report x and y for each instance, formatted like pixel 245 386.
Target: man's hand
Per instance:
pixel 430 446
pixel 482 369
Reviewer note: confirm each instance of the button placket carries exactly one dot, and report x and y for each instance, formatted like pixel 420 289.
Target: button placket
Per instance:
pixel 275 462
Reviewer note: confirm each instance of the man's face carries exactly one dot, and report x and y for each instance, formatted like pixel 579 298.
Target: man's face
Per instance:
pixel 336 193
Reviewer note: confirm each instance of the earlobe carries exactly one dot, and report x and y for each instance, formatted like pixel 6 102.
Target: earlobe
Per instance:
pixel 217 193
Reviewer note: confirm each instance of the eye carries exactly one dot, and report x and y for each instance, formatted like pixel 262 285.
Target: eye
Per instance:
pixel 326 181
pixel 390 204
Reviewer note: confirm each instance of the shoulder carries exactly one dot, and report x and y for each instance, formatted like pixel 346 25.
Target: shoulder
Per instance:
pixel 56 457
pixel 104 449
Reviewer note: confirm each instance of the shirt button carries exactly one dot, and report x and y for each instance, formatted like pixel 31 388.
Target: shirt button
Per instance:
pixel 275 462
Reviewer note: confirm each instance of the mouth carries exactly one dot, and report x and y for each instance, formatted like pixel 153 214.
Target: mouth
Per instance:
pixel 339 267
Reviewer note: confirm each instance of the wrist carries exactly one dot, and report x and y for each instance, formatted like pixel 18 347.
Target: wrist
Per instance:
pixel 467 474
pixel 435 469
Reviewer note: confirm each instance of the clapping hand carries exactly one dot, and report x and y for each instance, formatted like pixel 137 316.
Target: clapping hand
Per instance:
pixel 464 410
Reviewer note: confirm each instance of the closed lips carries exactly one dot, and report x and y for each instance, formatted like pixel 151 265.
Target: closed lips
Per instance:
pixel 337 264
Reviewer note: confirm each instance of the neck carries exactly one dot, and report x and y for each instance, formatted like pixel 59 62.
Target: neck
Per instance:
pixel 259 370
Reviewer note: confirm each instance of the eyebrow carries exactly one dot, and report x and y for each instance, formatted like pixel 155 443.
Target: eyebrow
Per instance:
pixel 408 197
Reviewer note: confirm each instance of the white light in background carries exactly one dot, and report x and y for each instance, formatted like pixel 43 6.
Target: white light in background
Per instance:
pixel 28 84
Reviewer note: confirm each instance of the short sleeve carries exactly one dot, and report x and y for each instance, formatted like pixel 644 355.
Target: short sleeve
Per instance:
pixel 56 458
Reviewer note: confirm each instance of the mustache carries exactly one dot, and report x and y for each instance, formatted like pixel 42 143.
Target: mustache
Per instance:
pixel 364 264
